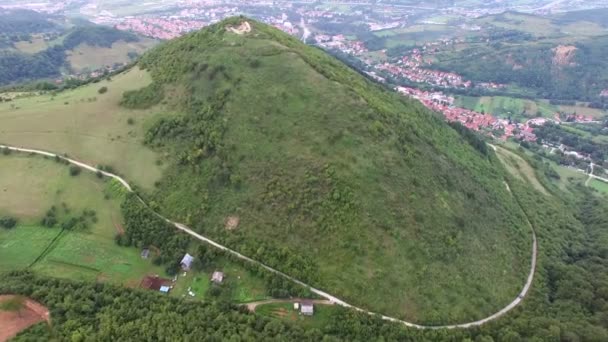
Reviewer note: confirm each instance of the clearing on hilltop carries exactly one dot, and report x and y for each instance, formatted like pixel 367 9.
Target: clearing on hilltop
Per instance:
pixel 334 180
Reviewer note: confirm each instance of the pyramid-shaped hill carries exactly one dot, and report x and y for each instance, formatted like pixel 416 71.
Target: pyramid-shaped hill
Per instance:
pixel 287 155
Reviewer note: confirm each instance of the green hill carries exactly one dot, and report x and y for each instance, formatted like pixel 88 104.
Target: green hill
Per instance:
pixel 331 178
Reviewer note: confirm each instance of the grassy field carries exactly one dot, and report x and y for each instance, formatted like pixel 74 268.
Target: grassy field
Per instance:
pixel 600 186
pixel 19 247
pixel 86 125
pixel 519 168
pixel 581 109
pixel 37 44
pixel 285 311
pixel 29 186
pixel 503 106
pixel 94 57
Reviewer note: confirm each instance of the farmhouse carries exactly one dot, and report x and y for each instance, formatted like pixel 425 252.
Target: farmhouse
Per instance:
pixel 217 277
pixel 186 262
pixel 307 308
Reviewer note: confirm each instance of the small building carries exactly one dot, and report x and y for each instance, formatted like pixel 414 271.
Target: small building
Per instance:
pixel 296 306
pixel 217 277
pixel 145 253
pixel 165 289
pixel 186 262
pixel 307 308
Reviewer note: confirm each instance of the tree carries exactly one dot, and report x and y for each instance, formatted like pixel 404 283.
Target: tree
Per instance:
pixel 8 222
pixel 103 90
pixel 75 170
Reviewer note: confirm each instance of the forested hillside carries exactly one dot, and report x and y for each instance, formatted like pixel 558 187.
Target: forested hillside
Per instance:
pixel 334 179
pixel 580 76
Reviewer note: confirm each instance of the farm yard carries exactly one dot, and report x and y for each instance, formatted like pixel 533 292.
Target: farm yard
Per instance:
pixel 87 125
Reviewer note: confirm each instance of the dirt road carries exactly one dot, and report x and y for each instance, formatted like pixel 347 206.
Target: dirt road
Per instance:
pixel 318 292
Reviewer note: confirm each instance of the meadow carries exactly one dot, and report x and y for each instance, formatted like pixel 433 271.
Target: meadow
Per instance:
pixel 599 185
pixel 87 125
pixel 87 57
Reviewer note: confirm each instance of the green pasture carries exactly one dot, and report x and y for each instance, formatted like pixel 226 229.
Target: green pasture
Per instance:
pixel 86 125
pixel 20 246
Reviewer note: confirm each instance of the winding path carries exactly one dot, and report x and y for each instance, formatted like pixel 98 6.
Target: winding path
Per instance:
pixel 318 292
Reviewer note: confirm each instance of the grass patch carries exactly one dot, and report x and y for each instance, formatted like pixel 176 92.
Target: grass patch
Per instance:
pixel 599 185
pixel 519 168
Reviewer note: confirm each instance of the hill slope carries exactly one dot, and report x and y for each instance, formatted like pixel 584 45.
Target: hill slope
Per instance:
pixel 289 156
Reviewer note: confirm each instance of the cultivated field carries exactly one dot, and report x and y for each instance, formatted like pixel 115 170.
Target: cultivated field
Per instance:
pixel 86 125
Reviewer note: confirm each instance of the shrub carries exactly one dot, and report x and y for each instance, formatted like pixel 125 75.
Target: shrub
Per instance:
pixel 8 222
pixel 75 170
pixel 103 90
pixel 130 121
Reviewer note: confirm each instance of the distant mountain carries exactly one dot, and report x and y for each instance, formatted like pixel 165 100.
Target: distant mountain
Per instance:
pixel 330 177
